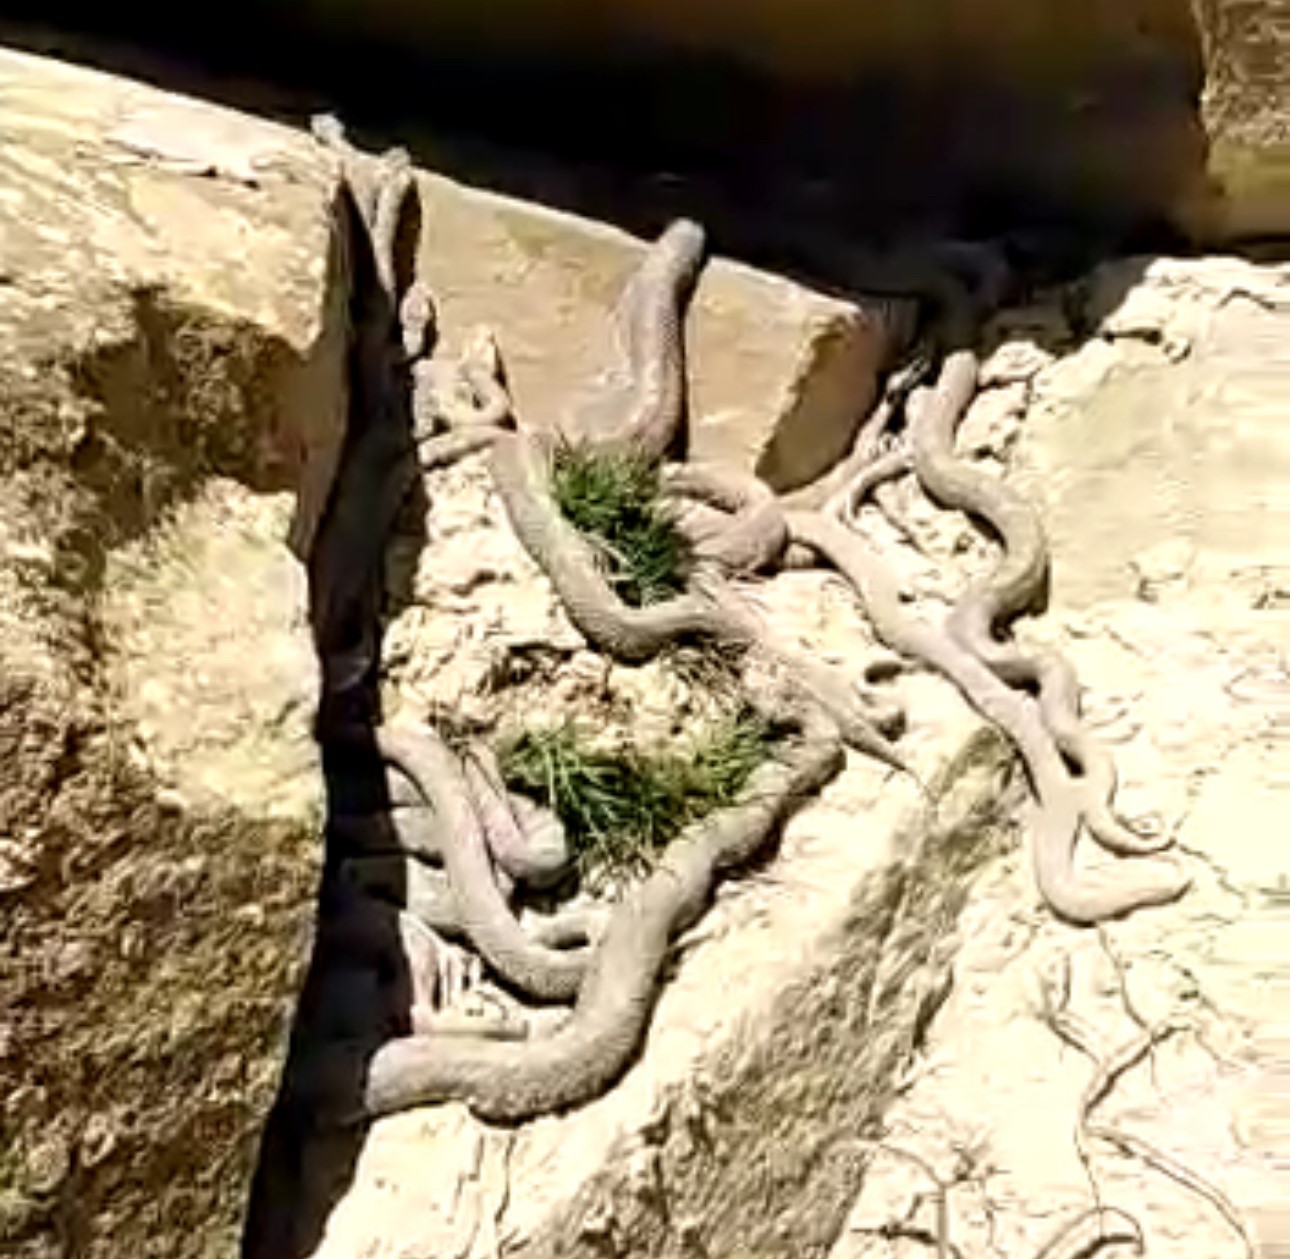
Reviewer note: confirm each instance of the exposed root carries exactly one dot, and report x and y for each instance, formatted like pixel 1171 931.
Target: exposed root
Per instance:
pixel 1091 1232
pixel 1075 1032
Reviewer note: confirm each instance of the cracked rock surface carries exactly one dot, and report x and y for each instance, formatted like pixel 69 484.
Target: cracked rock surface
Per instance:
pixel 876 1043
pixel 883 1038
pixel 168 372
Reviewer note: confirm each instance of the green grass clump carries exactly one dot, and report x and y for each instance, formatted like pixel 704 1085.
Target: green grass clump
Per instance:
pixel 621 805
pixel 616 500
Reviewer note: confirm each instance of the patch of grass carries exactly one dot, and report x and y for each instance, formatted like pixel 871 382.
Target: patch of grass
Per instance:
pixel 615 499
pixel 621 805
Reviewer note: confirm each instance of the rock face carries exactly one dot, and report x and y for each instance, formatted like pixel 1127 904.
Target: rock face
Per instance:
pixel 170 389
pixel 173 393
pixel 1246 111
pixel 1154 448
pixel 171 377
pixel 865 1018
pixel 1139 111
pixel 782 374
pixel 888 116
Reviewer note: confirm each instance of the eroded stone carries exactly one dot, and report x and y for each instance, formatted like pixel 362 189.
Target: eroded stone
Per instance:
pixel 171 359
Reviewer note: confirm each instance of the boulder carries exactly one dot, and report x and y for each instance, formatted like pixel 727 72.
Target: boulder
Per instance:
pixel 1245 108
pixel 877 118
pixel 854 1053
pixel 170 382
pixel 781 374
pixel 173 336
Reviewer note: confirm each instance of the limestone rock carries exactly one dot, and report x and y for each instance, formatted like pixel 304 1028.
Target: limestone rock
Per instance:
pixel 173 387
pixel 156 872
pixel 808 1034
pixel 1245 107
pixel 781 375
pixel 171 391
pixel 1165 487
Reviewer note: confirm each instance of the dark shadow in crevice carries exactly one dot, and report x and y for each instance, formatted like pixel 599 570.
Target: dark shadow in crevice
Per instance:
pixel 359 987
pixel 786 174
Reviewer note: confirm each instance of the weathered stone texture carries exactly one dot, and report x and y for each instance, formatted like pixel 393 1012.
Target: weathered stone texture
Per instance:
pixel 173 393
pixel 169 379
pixel 1173 109
pixel 780 375
pixel 785 1081
pixel 1246 108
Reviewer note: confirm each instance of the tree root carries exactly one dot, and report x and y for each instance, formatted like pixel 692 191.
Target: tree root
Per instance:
pixel 1109 1068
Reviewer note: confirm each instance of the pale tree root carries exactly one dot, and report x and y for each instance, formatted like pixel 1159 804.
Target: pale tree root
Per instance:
pixel 1109 1068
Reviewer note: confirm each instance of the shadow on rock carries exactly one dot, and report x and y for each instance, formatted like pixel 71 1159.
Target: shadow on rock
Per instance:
pixel 358 992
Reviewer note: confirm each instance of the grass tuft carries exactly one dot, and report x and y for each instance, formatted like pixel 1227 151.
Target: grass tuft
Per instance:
pixel 620 805
pixel 616 500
